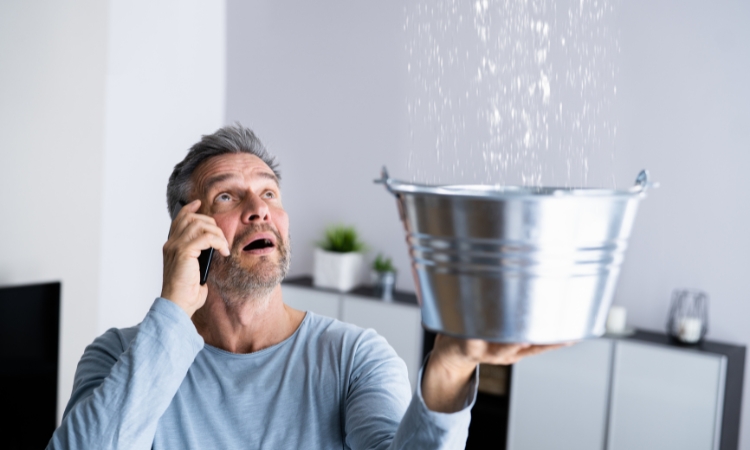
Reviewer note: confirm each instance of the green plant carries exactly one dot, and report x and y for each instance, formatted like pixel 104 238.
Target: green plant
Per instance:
pixel 382 264
pixel 341 239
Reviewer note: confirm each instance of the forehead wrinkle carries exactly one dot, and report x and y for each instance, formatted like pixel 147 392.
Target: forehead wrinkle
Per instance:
pixel 215 179
pixel 270 176
pixel 225 167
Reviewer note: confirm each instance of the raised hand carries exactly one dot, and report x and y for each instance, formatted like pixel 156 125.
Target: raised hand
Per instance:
pixel 445 382
pixel 189 234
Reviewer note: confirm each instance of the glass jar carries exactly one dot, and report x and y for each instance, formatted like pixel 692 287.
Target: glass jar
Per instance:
pixel 688 316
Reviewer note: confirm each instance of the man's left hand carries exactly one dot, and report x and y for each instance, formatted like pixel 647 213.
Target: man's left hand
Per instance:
pixel 445 382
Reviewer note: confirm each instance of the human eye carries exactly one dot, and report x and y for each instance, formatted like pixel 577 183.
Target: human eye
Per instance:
pixel 269 194
pixel 223 198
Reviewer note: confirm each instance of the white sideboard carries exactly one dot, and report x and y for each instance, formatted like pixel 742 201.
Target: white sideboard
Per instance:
pixel 638 393
pixel 665 398
pixel 399 321
pixel 558 400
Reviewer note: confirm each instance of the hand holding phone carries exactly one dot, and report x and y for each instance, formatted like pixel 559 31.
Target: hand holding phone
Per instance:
pixel 187 257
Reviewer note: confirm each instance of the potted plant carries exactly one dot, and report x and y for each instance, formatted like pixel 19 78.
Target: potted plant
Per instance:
pixel 385 277
pixel 338 259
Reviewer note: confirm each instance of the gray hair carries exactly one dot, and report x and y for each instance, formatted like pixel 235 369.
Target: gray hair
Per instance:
pixel 230 139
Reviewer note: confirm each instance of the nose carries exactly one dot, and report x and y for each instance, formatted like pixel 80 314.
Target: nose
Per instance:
pixel 256 210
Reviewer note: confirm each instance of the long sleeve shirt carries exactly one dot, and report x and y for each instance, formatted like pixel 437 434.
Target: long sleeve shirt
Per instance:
pixel 329 385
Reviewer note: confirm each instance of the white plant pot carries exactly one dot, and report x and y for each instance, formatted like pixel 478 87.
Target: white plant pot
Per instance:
pixel 340 271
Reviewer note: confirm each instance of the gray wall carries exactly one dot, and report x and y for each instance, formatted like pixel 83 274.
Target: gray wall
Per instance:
pixel 684 113
pixel 322 83
pixel 325 86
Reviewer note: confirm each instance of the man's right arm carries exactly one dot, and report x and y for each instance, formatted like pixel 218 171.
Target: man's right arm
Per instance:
pixel 118 396
pixel 121 389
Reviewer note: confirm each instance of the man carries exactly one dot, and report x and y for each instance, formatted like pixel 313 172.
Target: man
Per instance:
pixel 229 365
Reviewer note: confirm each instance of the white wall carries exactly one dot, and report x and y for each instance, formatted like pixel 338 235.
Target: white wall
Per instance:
pixel 52 64
pixel 324 86
pixel 164 89
pixel 98 101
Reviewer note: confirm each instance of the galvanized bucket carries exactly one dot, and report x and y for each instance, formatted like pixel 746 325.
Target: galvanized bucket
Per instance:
pixel 516 264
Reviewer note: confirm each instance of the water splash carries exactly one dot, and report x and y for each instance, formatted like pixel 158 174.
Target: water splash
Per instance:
pixel 510 91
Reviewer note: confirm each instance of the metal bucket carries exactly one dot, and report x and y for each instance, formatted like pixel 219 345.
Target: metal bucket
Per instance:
pixel 516 264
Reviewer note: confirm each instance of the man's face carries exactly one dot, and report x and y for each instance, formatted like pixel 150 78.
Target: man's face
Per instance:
pixel 242 194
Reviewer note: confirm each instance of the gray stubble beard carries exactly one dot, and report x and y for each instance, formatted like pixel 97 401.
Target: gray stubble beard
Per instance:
pixel 236 284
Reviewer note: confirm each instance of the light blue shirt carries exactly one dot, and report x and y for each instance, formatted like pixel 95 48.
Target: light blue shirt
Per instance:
pixel 330 385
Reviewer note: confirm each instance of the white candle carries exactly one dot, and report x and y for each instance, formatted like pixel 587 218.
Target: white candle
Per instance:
pixel 616 320
pixel 689 329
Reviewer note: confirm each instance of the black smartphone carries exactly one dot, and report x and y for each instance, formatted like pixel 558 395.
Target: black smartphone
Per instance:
pixel 204 260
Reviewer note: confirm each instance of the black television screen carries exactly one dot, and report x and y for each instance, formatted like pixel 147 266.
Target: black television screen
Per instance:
pixel 29 342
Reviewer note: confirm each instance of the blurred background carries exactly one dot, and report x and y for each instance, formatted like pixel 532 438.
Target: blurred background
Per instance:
pixel 99 100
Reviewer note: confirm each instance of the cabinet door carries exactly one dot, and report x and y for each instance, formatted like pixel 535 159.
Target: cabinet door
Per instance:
pixel 306 299
pixel 558 400
pixel 664 399
pixel 400 325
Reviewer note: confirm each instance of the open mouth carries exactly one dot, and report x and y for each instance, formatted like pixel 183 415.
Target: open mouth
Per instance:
pixel 258 244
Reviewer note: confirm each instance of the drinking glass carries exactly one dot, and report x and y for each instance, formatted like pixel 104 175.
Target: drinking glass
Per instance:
pixel 688 315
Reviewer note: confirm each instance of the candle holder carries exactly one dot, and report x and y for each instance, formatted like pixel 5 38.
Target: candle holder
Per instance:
pixel 688 316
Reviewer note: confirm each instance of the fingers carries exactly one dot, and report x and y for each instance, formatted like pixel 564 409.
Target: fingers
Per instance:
pixel 455 351
pixel 187 209
pixel 180 224
pixel 478 351
pixel 188 214
pixel 537 349
pixel 190 233
pixel 190 229
pixel 200 235
pixel 506 354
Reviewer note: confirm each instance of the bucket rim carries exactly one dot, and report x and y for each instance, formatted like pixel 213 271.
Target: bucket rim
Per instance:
pixel 503 192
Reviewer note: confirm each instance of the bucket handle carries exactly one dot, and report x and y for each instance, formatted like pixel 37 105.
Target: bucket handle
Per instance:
pixel 643 183
pixel 385 180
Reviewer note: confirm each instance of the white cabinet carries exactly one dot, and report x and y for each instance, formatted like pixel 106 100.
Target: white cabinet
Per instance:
pixel 558 400
pixel 637 393
pixel 664 399
pixel 399 323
